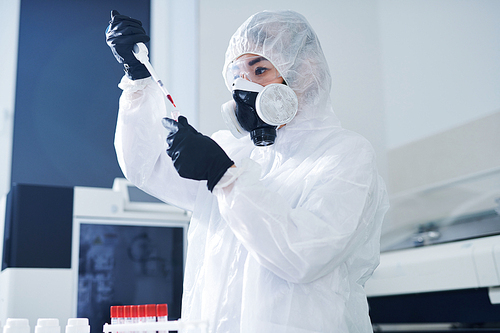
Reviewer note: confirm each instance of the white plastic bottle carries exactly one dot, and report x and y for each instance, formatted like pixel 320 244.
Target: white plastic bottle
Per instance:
pixel 78 325
pixel 47 325
pixel 17 325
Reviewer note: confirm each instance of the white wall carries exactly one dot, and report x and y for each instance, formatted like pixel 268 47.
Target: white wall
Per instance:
pixel 348 31
pixel 441 64
pixel 9 16
pixel 174 52
pixel 441 77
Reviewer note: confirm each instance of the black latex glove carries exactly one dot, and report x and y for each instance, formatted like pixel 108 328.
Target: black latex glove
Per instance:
pixel 195 156
pixel 122 34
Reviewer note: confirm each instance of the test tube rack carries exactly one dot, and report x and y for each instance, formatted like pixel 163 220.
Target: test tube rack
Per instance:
pixel 153 327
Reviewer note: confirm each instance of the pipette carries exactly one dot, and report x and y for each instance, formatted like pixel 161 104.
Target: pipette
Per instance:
pixel 141 53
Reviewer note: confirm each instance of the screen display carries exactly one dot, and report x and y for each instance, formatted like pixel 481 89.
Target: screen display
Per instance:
pixel 128 265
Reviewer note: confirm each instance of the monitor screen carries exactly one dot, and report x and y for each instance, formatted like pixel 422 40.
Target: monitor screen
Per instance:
pixel 128 265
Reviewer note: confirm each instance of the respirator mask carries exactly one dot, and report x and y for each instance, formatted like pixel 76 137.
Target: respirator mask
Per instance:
pixel 258 107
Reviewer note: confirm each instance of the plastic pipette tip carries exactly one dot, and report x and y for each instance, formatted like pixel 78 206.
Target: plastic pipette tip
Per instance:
pixel 175 115
pixel 171 100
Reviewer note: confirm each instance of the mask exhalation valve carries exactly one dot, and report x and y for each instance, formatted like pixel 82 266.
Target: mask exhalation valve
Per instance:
pixel 264 136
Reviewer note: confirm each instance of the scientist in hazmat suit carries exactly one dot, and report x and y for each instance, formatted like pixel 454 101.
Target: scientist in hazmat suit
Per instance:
pixel 286 218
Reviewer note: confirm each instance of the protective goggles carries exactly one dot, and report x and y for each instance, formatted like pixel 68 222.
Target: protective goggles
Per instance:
pixel 254 68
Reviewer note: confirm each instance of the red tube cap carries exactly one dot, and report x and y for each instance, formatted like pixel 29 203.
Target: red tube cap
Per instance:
pixel 141 311
pixel 114 311
pixel 117 311
pixel 150 310
pixel 126 311
pixel 161 310
pixel 134 311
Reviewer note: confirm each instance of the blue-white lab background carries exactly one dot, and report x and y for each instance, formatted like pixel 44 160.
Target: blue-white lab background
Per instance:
pixel 419 79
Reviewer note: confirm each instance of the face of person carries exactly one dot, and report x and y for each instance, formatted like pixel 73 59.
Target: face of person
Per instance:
pixel 254 68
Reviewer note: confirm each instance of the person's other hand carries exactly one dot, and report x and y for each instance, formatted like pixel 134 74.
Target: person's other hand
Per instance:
pixel 195 156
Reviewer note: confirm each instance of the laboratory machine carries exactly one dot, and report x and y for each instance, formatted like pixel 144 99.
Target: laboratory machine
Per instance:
pixel 440 259
pixel 75 251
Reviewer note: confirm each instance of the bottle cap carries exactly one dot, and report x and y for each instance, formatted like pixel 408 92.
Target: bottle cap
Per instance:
pixel 78 325
pixel 17 325
pixel 161 310
pixel 47 325
pixel 150 310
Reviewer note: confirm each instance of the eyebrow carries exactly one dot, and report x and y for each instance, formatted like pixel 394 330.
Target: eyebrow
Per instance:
pixel 254 61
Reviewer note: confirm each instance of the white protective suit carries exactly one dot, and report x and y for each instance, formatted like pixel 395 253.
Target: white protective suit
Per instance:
pixel 288 238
